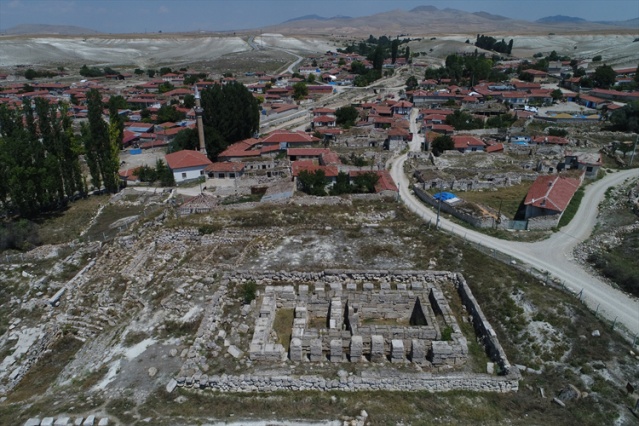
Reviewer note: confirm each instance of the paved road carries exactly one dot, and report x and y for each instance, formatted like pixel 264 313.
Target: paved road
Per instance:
pixel 554 254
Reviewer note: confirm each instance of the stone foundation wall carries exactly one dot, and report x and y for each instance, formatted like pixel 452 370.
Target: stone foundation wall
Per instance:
pixel 483 327
pixel 397 382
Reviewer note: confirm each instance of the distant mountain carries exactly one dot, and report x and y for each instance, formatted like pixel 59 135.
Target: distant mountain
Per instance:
pixel 491 16
pixel 429 20
pixel 316 18
pixel 630 23
pixel 26 29
pixel 560 19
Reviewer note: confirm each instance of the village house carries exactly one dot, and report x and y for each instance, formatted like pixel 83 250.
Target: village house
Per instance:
pixel 465 143
pixel 225 170
pixel 550 195
pixel 187 165
pixel 588 162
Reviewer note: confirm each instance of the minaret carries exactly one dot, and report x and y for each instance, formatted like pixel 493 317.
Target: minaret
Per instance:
pixel 198 117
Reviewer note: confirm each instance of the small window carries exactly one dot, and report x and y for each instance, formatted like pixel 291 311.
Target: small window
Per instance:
pixel 201 172
pixel 589 169
pixel 183 175
pixel 231 175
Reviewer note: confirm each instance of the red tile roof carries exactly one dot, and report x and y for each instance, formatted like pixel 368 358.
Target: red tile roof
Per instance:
pixel 310 166
pixel 313 152
pixel 186 158
pixel 280 136
pixel 226 166
pixel 552 192
pixel 555 140
pixel 464 141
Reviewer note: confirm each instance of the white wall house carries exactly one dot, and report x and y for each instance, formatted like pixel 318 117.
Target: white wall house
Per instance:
pixel 187 165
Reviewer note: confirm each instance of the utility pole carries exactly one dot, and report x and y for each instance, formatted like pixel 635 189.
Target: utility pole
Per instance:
pixel 439 208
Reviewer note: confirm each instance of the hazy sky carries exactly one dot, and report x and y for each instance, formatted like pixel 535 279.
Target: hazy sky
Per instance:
pixel 191 15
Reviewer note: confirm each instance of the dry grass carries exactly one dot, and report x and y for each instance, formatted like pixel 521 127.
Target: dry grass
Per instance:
pixel 44 372
pixel 283 325
pixel 508 198
pixel 67 225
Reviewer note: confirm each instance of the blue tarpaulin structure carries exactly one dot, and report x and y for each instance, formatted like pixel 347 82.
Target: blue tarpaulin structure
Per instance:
pixel 443 196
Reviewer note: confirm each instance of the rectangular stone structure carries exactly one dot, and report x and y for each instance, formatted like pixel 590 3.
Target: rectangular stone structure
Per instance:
pixel 418 351
pixel 377 348
pixel 397 351
pixel 336 350
pixel 357 348
pixel 316 350
pixel 295 350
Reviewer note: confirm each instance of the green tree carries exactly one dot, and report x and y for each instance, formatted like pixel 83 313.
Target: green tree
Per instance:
pixel 231 114
pixel 394 50
pixel 441 144
pixel 313 183
pixel 165 70
pixel 407 54
pixel 557 95
pixel 626 119
pixel 342 184
pixel 168 113
pixel 39 167
pixel 165 87
pixel 186 139
pixel 300 90
pixel 189 101
pixel 100 145
pixel 138 71
pixel 365 182
pixel 311 78
pixel 463 121
pixel 164 174
pixel 412 83
pixel 604 76
pixel 346 116
pixel 378 58
pixel 596 58
pixel 30 74
pixel 150 73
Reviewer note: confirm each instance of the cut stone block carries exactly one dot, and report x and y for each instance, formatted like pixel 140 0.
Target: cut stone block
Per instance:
pixel 336 350
pixel 295 350
pixel 377 348
pixel 418 351
pixel 316 350
pixel 397 351
pixel 357 348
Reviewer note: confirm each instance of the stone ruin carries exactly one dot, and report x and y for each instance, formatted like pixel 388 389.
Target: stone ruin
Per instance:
pixel 394 329
pixel 351 322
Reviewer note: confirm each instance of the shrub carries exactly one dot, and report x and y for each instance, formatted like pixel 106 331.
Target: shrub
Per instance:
pixel 249 292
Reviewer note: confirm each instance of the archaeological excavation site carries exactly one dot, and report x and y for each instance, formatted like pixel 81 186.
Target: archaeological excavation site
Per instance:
pixel 393 329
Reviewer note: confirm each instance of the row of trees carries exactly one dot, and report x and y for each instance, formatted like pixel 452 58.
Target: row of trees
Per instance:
pixel 468 69
pixel 39 165
pixel 40 154
pixel 491 43
pixel 314 183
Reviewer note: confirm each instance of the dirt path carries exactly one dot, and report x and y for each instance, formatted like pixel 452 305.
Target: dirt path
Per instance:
pixel 554 254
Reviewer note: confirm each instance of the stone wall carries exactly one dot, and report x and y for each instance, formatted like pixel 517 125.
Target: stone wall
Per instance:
pixel 279 288
pixel 543 222
pixel 364 382
pixel 483 327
